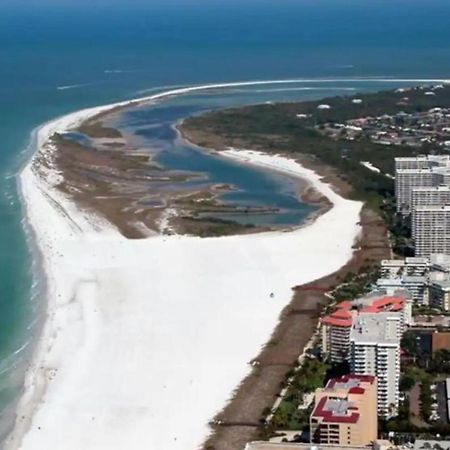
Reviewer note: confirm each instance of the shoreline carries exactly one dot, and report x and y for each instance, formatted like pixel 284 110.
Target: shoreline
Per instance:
pixel 307 193
pixel 40 382
pixel 241 419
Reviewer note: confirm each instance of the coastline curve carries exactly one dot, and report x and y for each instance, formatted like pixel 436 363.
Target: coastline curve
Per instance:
pixel 94 297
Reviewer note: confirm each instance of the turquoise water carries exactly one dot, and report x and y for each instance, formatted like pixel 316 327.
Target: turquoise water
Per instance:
pixel 54 60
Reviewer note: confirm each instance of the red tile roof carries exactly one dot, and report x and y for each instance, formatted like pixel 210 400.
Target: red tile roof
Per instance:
pixel 356 390
pixel 335 321
pixel 346 378
pixel 342 317
pixel 328 416
pixel 339 318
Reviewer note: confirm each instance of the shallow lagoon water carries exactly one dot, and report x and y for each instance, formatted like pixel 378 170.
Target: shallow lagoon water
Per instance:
pixel 154 128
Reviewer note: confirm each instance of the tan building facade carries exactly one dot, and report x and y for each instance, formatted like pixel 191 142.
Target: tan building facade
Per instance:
pixel 345 411
pixel 440 341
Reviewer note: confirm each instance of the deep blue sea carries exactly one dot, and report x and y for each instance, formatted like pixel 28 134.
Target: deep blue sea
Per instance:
pixel 55 59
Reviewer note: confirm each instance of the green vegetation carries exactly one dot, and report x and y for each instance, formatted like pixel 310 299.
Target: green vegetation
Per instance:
pixel 410 345
pixel 427 311
pixel 407 382
pixel 211 226
pixel 98 130
pixel 440 362
pixel 419 362
pixel 306 379
pixel 398 226
pixel 400 423
pixel 277 128
pixel 426 400
pixel 356 284
pixel 416 374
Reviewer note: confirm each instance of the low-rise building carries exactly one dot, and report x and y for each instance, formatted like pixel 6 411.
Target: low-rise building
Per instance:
pixel 440 262
pixel 439 290
pixel 345 411
pixel 440 340
pixel 392 268
pixel 415 285
pixel 427 279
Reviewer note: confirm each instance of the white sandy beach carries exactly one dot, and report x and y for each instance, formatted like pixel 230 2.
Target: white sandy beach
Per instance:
pixel 145 340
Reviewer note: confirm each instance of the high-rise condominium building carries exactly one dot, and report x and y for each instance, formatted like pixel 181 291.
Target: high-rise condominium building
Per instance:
pixel 427 196
pixel 419 172
pixel 337 326
pixel 421 161
pixel 406 180
pixel 431 229
pixel 375 350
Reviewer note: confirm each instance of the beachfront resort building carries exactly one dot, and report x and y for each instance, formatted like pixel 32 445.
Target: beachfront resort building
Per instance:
pixel 431 229
pixel 375 350
pixel 421 161
pixel 426 279
pixel 422 189
pixel 392 268
pixel 440 262
pixel 427 196
pixel 416 285
pixel 336 329
pixel 337 326
pixel 345 411
pixel 405 181
pixel 428 175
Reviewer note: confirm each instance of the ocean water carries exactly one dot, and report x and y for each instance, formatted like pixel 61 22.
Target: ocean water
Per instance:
pixel 56 59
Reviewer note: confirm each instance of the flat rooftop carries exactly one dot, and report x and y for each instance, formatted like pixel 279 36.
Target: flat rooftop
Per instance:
pixel 413 260
pixel 440 259
pixel 443 284
pixel 401 280
pixel 336 409
pixel 377 328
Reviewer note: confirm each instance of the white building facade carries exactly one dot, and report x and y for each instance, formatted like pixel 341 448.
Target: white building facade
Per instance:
pixel 421 172
pixel 431 229
pixel 375 350
pixel 426 196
